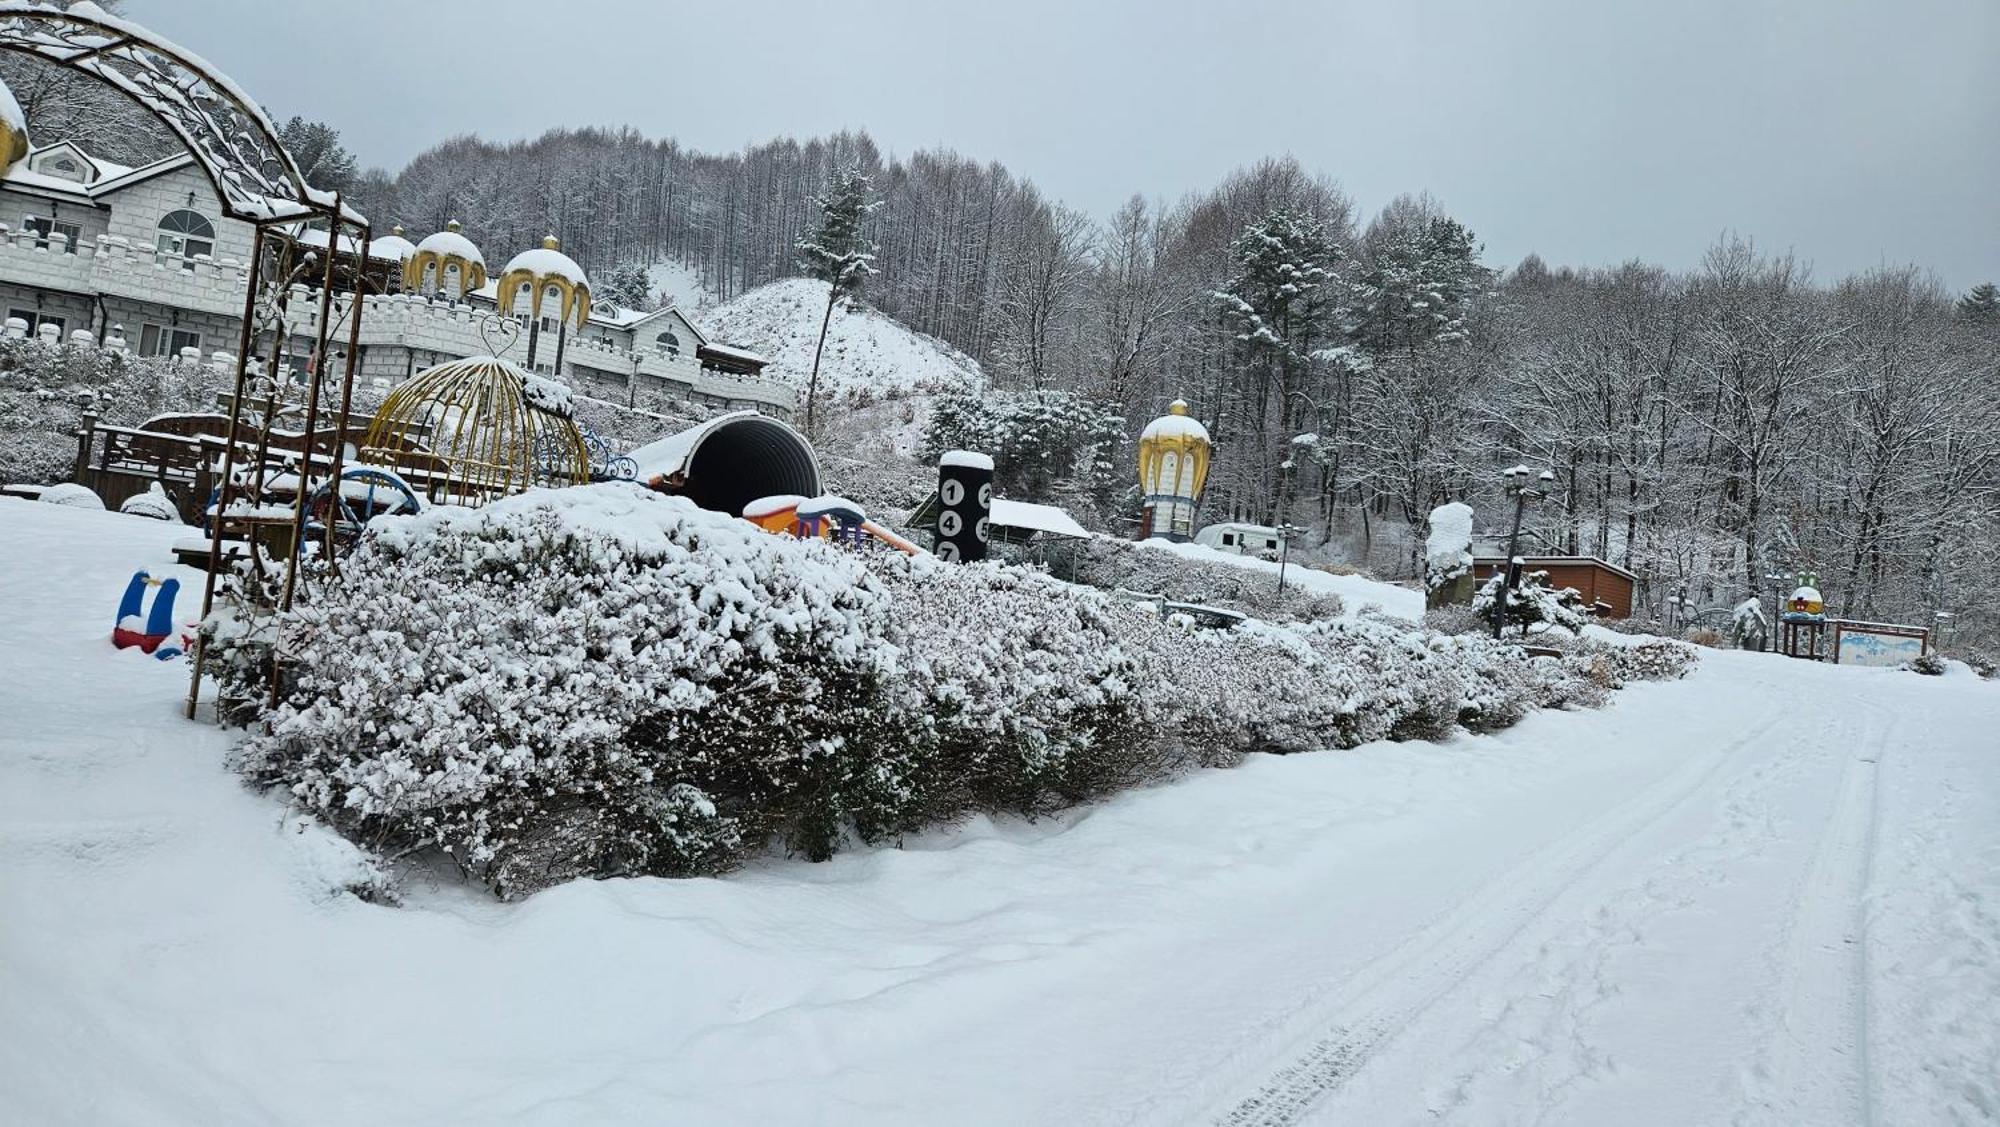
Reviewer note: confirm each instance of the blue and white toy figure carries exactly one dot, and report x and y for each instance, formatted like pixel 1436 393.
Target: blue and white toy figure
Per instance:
pixel 154 633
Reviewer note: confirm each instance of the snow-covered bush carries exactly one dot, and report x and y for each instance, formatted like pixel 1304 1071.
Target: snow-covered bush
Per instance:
pixel 73 495
pixel 45 389
pixel 153 503
pixel 1456 618
pixel 1531 602
pixel 1930 665
pixel 593 682
pixel 1109 563
pixel 603 680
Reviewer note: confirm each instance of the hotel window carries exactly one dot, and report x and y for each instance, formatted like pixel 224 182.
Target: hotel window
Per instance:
pixel 669 344
pixel 36 320
pixel 157 340
pixel 62 236
pixel 183 235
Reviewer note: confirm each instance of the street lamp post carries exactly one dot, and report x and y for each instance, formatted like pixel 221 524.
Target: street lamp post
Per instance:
pixel 1518 488
pixel 1285 534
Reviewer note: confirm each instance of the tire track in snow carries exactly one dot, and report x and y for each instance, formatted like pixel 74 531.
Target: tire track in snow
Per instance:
pixel 1366 1010
pixel 1814 1068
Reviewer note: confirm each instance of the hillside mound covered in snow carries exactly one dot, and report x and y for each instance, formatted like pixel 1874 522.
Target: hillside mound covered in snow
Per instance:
pixel 866 351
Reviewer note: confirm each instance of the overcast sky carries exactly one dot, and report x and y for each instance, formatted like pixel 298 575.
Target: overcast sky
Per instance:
pixel 1589 131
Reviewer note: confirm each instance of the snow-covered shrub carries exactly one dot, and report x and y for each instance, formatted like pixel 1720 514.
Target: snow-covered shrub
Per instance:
pixel 153 503
pixel 603 680
pixel 1930 665
pixel 1456 618
pixel 590 682
pixel 1103 561
pixel 1029 691
pixel 1651 661
pixel 1531 602
pixel 45 390
pixel 73 495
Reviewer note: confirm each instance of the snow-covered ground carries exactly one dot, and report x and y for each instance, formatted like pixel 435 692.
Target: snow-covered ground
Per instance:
pixel 864 349
pixel 1769 894
pixel 682 282
pixel 1355 591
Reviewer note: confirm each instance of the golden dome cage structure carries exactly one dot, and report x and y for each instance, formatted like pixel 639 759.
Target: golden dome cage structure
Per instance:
pixel 442 254
pixel 470 431
pixel 13 130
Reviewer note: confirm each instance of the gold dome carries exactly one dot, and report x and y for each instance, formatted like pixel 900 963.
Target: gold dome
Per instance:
pixel 443 252
pixel 544 270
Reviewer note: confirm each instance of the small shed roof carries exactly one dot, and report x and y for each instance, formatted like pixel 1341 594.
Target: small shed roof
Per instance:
pixel 1547 561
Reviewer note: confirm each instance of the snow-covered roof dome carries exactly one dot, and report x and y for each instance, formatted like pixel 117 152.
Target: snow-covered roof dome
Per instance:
pixel 548 260
pixel 444 250
pixel 541 270
pixel 13 129
pixel 1809 594
pixel 392 245
pixel 1176 423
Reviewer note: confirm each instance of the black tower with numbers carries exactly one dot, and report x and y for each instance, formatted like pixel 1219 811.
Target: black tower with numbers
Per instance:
pixel 965 505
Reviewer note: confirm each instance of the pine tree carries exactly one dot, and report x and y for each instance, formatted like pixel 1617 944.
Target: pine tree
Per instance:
pixel 1981 303
pixel 839 255
pixel 1278 309
pixel 626 287
pixel 322 159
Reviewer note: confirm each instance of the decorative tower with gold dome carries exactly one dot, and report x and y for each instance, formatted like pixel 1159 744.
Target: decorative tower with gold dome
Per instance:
pixel 1173 465
pixel 13 129
pixel 446 254
pixel 545 271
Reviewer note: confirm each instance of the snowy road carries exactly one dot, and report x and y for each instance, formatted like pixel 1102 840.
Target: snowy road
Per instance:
pixel 1767 895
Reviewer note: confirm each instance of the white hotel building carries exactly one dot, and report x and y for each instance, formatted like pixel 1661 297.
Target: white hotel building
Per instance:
pixel 145 254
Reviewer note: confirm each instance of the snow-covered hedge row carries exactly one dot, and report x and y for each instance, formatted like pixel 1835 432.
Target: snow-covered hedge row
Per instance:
pixel 602 680
pixel 45 389
pixel 1105 562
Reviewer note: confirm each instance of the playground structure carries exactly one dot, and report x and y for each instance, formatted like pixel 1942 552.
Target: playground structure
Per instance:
pixel 730 461
pixel 1802 622
pixel 236 146
pixel 829 518
pixel 468 431
pixel 1174 452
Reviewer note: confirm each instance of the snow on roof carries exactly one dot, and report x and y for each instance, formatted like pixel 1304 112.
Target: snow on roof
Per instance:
pixel 736 353
pixel 1177 423
pixel 970 459
pixel 776 503
pixel 391 248
pixel 313 237
pixel 1036 518
pixel 543 261
pixel 452 243
pixel 828 503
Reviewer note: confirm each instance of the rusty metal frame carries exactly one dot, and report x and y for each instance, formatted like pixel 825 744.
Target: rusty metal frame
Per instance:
pixel 237 148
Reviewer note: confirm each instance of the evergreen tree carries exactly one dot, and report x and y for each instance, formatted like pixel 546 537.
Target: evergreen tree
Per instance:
pixel 838 254
pixel 626 287
pixel 323 160
pixel 1279 309
pixel 1981 303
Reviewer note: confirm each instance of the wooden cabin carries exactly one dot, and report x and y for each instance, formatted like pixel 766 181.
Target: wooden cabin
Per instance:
pixel 1604 585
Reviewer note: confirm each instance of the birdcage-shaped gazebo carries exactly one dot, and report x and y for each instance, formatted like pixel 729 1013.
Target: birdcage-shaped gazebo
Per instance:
pixel 469 431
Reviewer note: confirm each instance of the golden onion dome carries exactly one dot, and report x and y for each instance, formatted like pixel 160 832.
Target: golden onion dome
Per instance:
pixel 443 252
pixel 542 271
pixel 1174 453
pixel 13 129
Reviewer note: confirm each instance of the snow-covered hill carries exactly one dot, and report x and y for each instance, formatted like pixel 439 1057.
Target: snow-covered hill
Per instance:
pixel 682 283
pixel 865 350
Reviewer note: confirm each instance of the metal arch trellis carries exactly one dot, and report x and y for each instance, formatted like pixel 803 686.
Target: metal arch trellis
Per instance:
pixel 257 182
pixel 223 129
